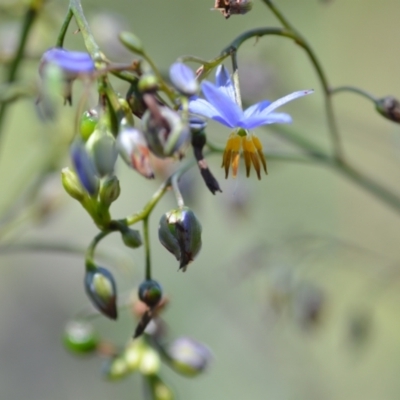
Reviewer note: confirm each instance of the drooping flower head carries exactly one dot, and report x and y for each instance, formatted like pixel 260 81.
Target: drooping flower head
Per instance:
pixel 220 104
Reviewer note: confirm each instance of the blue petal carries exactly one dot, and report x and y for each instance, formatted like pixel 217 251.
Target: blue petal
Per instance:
pixel 226 107
pixel 73 62
pixel 256 108
pixel 224 83
pixel 258 120
pixel 202 107
pixel 183 78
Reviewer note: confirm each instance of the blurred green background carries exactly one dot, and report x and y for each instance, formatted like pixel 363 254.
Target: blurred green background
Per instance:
pixel 296 287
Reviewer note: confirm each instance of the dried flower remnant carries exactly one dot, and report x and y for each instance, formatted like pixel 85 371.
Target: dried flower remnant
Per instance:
pixel 233 7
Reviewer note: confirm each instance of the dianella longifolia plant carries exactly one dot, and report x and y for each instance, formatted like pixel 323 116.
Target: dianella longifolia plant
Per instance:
pixel 163 115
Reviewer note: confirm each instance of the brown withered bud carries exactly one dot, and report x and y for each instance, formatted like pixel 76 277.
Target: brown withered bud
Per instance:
pixel 389 107
pixel 232 7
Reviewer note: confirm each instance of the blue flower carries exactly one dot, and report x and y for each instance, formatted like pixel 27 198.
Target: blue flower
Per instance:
pixel 222 106
pixel 183 78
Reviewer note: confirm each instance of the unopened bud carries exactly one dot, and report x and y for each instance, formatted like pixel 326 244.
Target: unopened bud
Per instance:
pixel 88 123
pixel 131 42
pixel 158 389
pixel 148 83
pixel 131 238
pixel 133 354
pixel 184 79
pixel 150 292
pixel 115 368
pixel 389 107
pixel 188 357
pixel 179 232
pixel 165 133
pixel 150 362
pixel 71 184
pixel 109 190
pixel 101 289
pixel 80 337
pixel 84 167
pixel 102 148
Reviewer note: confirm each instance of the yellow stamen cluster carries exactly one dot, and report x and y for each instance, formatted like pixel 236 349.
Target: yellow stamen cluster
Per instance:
pixel 252 154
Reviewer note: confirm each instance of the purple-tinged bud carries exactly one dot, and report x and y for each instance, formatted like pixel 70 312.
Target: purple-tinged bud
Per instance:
pixel 84 167
pixel 80 337
pixel 179 232
pixel 72 63
pixel 101 288
pixel 71 184
pixel 389 107
pixel 88 123
pixel 131 42
pixel 102 148
pixel 184 79
pixel 115 368
pixel 109 190
pixel 188 357
pixel 165 133
pixel 150 292
pixel 133 149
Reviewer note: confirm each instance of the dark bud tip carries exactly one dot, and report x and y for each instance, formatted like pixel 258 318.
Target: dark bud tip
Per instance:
pixel 389 107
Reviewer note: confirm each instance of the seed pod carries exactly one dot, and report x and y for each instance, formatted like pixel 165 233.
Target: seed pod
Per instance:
pixel 101 288
pixel 150 292
pixel 179 232
pixel 131 238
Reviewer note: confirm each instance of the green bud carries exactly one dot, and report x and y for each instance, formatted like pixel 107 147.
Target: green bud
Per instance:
pixel 188 357
pixel 150 362
pixel 150 292
pixel 179 232
pixel 131 238
pixel 102 148
pixel 158 389
pixel 115 368
pixel 131 42
pixel 80 337
pixel 109 190
pixel 389 107
pixel 71 184
pixel 165 139
pixel 101 289
pixel 148 83
pixel 88 123
pixel 133 354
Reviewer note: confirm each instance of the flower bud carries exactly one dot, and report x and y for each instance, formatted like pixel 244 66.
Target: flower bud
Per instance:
pixel 133 354
pixel 101 146
pixel 158 389
pixel 80 337
pixel 132 147
pixel 184 79
pixel 150 362
pixel 109 190
pixel 89 120
pixel 115 368
pixel 179 232
pixel 84 168
pixel 165 133
pixel 389 107
pixel 131 238
pixel 131 42
pixel 71 184
pixel 148 83
pixel 188 357
pixel 101 289
pixel 150 292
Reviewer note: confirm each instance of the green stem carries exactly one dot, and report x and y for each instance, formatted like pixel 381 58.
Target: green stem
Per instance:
pixel 177 193
pixel 235 77
pixel 356 90
pixel 146 240
pixel 30 17
pixel 89 256
pixel 64 28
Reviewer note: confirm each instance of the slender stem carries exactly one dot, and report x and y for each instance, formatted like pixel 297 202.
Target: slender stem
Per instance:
pixel 31 15
pixel 356 90
pixel 146 239
pixel 177 193
pixel 89 256
pixel 235 77
pixel 64 28
pixel 301 41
